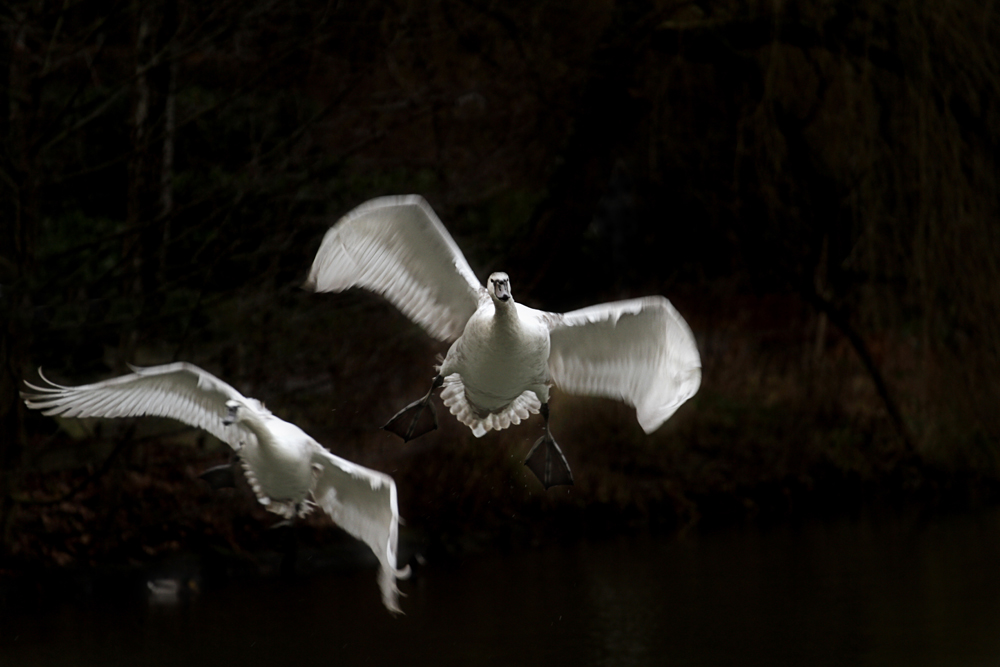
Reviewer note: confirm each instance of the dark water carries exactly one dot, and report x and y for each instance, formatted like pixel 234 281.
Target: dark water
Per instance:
pixel 850 592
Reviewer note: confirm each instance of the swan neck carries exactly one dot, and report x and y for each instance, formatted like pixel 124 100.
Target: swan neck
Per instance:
pixel 505 310
pixel 255 422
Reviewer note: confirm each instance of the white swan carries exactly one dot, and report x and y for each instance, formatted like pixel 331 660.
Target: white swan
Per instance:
pixel 505 356
pixel 289 472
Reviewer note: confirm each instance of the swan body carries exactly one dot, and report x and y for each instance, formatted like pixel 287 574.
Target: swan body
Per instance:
pixel 496 373
pixel 505 356
pixel 289 472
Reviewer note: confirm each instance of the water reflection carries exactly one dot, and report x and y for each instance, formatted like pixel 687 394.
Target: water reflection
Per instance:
pixel 884 592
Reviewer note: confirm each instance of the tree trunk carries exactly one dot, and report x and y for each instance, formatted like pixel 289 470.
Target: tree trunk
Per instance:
pixel 150 169
pixel 18 213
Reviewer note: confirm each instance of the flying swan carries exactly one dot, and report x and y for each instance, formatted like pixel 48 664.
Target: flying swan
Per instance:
pixel 289 472
pixel 505 356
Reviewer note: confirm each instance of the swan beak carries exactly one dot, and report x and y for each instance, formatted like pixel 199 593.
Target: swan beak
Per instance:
pixel 502 290
pixel 230 417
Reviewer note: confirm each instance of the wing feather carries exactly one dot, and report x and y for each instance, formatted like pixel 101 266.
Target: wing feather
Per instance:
pixel 640 351
pixel 363 502
pixel 180 391
pixel 397 247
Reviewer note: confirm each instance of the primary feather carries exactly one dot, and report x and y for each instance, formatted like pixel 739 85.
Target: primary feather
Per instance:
pixel 180 391
pixel 397 247
pixel 287 469
pixel 505 355
pixel 639 351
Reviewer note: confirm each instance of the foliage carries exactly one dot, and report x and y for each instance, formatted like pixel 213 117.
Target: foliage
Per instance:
pixel 814 185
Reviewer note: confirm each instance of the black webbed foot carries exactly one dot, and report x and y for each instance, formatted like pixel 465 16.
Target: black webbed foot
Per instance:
pixel 546 460
pixel 221 476
pixel 417 418
pixel 413 421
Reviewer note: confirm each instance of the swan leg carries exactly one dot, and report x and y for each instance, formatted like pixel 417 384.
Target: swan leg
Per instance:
pixel 299 509
pixel 417 418
pixel 546 460
pixel 221 476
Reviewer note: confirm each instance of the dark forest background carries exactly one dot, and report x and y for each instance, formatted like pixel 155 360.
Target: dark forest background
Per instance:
pixel 814 184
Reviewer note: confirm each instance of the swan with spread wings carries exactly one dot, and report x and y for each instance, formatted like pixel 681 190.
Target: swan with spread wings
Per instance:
pixel 289 472
pixel 505 356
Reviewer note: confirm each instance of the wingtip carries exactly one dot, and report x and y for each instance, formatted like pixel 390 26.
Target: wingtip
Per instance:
pixel 311 283
pixel 653 417
pixel 51 385
pixel 386 201
pixel 390 592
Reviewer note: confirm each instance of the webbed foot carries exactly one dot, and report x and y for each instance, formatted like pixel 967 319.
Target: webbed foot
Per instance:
pixel 546 460
pixel 417 418
pixel 220 476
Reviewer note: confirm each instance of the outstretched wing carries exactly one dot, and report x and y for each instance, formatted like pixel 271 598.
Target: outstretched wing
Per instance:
pixel 363 502
pixel 397 247
pixel 640 351
pixel 180 391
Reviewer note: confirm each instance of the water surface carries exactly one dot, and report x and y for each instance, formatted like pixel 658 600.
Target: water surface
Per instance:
pixel 892 591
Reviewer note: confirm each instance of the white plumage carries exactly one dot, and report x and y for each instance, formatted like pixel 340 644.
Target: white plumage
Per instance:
pixel 397 247
pixel 639 351
pixel 504 355
pixel 288 470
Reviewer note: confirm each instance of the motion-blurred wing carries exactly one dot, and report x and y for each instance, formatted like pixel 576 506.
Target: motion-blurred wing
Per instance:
pixel 397 247
pixel 363 503
pixel 180 391
pixel 640 351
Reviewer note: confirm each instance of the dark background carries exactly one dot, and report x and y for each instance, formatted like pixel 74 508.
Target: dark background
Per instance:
pixel 813 184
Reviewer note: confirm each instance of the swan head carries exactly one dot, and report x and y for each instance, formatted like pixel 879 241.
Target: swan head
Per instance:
pixel 239 411
pixel 232 413
pixel 499 286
